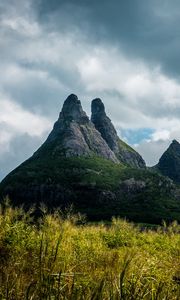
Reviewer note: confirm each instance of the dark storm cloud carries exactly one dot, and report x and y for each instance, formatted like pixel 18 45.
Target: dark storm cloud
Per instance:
pixel 144 29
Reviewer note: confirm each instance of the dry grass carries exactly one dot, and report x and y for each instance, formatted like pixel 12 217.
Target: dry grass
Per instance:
pixel 55 258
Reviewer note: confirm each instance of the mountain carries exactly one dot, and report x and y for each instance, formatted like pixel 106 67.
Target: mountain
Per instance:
pixel 169 163
pixel 83 162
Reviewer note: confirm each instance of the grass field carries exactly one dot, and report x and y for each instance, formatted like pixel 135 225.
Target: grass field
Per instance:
pixel 62 257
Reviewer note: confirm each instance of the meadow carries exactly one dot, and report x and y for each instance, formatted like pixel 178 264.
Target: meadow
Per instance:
pixel 61 256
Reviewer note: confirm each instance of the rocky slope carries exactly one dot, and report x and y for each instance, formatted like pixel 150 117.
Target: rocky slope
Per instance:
pixel 82 162
pixel 169 163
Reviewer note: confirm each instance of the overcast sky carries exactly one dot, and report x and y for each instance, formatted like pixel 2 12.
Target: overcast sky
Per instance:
pixel 125 52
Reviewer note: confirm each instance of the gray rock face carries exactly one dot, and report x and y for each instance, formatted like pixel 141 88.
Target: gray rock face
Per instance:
pixel 75 135
pixel 104 125
pixel 131 185
pixel 72 110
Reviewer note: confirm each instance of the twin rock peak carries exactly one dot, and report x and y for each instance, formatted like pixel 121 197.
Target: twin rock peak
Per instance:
pixel 75 135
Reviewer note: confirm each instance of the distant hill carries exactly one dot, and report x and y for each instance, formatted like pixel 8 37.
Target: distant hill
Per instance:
pixel 169 163
pixel 83 162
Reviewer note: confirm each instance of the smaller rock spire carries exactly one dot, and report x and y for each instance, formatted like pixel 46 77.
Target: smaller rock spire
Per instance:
pixel 97 107
pixel 103 124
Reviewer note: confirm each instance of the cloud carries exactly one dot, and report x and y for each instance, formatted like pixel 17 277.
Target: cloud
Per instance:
pixel 145 30
pixel 160 135
pixel 144 96
pixel 151 151
pixel 126 52
pixel 15 121
pixel 21 120
pixel 153 147
pixel 21 132
pixel 20 148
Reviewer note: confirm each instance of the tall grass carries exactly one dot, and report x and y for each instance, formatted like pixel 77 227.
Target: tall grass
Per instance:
pixel 63 258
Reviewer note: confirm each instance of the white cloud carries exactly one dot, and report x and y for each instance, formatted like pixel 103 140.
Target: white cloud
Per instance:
pixel 153 148
pixel 15 121
pixel 160 135
pixel 20 120
pixel 108 69
pixel 144 94
pixel 151 151
pixel 22 26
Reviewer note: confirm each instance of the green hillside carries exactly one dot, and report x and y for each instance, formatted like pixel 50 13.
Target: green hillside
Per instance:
pixel 96 187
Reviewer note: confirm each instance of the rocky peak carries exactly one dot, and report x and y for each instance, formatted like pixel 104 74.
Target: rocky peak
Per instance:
pixel 97 108
pixel 72 110
pixel 169 163
pixel 173 149
pixel 103 124
pixel 175 144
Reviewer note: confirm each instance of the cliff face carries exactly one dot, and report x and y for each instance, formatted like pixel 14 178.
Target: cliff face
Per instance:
pixel 169 163
pixel 104 125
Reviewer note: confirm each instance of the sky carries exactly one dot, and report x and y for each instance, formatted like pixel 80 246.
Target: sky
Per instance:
pixel 125 52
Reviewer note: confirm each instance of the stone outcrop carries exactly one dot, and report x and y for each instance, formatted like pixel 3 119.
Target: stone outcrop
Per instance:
pixel 103 124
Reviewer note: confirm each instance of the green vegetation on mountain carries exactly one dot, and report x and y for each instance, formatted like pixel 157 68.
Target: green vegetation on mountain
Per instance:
pixel 97 187
pixel 124 145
